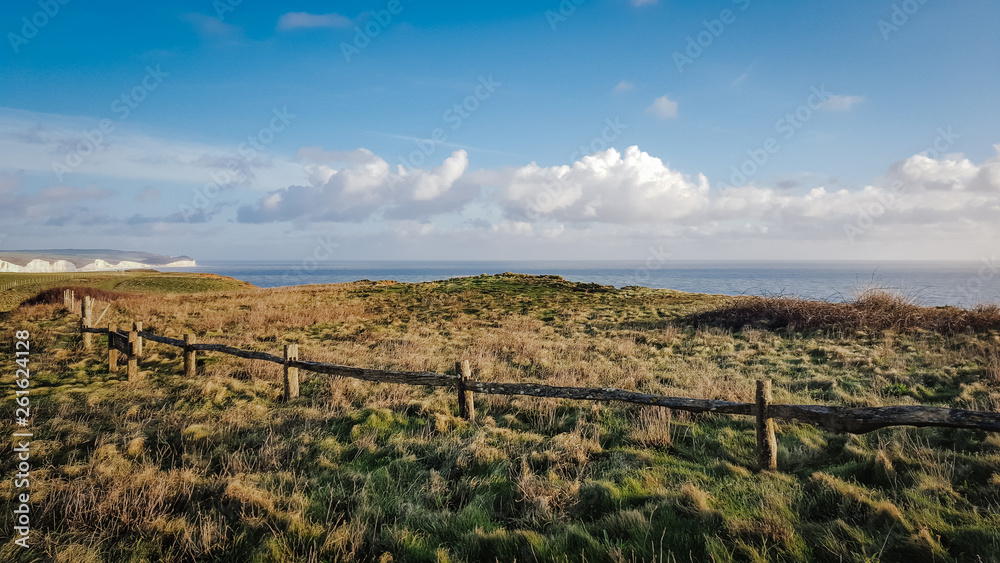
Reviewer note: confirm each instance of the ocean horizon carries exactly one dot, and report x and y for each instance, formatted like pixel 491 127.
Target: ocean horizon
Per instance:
pixel 930 283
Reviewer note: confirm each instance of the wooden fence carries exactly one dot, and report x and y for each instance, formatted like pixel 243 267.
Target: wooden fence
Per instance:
pixel 52 277
pixel 839 419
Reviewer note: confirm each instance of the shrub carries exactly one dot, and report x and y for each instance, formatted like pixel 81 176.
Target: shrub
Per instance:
pixel 871 310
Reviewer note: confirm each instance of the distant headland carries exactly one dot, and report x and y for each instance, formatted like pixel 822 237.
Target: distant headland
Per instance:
pixel 86 260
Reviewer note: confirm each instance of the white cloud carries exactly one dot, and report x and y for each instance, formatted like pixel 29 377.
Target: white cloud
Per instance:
pixel 919 203
pixel 663 107
pixel 987 179
pixel 305 20
pixel 937 195
pixel 838 102
pixel 623 86
pixel 607 187
pixel 916 204
pixel 48 203
pixel 37 142
pixel 366 188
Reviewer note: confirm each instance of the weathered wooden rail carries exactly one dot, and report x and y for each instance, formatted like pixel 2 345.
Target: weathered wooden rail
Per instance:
pixel 40 278
pixel 838 419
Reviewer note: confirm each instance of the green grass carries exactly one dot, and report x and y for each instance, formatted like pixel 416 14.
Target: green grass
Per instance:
pixel 218 468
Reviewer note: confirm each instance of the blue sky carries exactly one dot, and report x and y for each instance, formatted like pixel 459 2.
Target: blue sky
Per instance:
pixel 581 129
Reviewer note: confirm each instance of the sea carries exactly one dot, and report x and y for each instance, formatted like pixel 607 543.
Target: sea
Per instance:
pixel 962 284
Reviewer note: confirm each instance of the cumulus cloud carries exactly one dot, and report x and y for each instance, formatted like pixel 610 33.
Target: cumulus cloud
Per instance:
pixel 918 198
pixel 663 107
pixel 934 193
pixel 624 195
pixel 921 173
pixel 357 192
pixel 607 187
pixel 838 102
pixel 627 189
pixel 987 178
pixel 305 20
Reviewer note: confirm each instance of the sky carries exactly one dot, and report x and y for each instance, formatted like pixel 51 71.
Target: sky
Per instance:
pixel 573 129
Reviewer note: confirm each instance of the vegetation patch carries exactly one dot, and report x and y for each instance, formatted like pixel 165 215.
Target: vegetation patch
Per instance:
pixel 871 310
pixel 220 468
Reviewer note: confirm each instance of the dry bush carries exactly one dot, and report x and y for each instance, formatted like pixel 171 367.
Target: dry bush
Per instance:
pixel 871 309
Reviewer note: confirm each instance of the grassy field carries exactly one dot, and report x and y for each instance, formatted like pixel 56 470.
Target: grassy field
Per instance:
pixel 218 468
pixel 146 281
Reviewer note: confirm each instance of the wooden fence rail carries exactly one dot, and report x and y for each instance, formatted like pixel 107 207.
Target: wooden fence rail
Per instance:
pixel 838 419
pixel 53 277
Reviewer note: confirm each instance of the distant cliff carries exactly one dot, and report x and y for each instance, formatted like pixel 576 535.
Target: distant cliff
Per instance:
pixel 76 260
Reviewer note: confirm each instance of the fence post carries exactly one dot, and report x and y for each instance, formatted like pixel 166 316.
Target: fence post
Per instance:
pixel 291 374
pixel 133 356
pixel 112 351
pixel 466 404
pixel 86 312
pixel 189 355
pixel 137 327
pixel 72 300
pixel 767 445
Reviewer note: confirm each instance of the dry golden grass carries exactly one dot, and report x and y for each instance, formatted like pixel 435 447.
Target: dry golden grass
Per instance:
pixel 219 467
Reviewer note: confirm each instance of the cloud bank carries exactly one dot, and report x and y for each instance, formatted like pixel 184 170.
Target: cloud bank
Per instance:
pixel 357 192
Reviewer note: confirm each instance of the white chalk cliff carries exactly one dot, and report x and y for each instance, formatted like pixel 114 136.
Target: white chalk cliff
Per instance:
pixel 54 261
